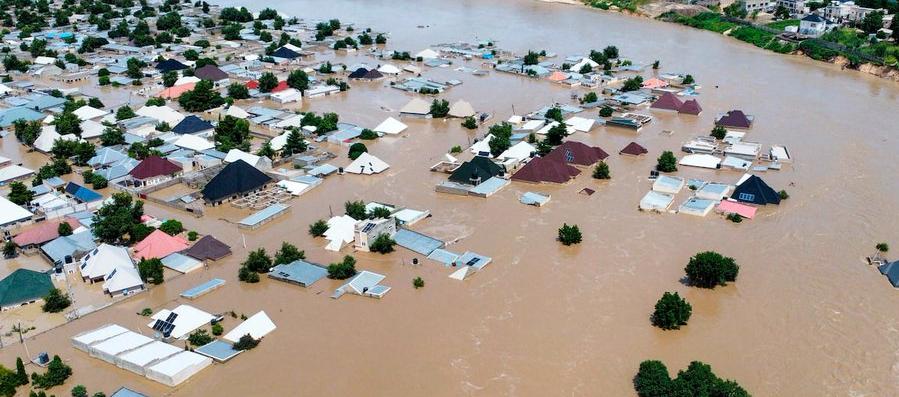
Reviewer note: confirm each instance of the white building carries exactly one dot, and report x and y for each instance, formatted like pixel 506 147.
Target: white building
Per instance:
pixel 367 231
pixel 812 25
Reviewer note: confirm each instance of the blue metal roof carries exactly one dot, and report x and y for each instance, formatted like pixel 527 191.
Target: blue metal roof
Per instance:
pixel 218 350
pixel 264 214
pixel 11 115
pixel 299 272
pixel 203 288
pixel 60 247
pixel 417 242
pixel 82 193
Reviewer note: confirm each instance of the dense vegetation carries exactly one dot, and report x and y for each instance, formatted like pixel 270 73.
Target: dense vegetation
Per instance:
pixel 652 380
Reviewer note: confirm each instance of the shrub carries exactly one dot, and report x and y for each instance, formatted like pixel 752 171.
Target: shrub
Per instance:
pixel 710 269
pixel 318 228
pixel 667 162
pixel 569 234
pixel 671 311
pixel 343 269
pixel 288 253
pixel 217 329
pixel 171 227
pixel 199 338
pixel 383 244
pixel 356 150
pixel 883 247
pixel 146 312
pixel 719 132
pixel 64 229
pixel 151 270
pixel 192 235
pixel 652 380
pixel 590 97
pixel 606 111
pixel 418 283
pixel 246 342
pixel 79 391
pixel 248 276
pixel 470 123
pixel 368 134
pixel 456 149
pixel 57 373
pixel 734 217
pixel 355 209
pixel 56 301
pixel 783 194
pixel 602 171
pixel 439 108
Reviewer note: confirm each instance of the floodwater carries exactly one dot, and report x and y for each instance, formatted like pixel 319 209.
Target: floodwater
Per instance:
pixel 806 317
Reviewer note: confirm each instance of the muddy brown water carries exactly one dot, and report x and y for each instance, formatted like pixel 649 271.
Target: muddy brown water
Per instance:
pixel 806 317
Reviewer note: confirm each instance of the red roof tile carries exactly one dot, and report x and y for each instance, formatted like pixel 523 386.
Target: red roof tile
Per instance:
pixel 154 166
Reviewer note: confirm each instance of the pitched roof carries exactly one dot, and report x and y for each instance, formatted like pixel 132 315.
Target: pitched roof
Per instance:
pixel 373 75
pixel 82 193
pixel 176 91
pixel 192 124
pixel 667 101
pixel 158 244
pixel 755 190
pixel 208 247
pixel 154 166
pixel 237 177
pixel 735 119
pixel 42 232
pixel 541 169
pixel 358 73
pixel 211 73
pixel 691 106
pixel 169 65
pixel 416 106
pixel 813 18
pixel 633 149
pixel 287 53
pixel 24 285
pixel 891 270
pixel 577 153
pixel 479 167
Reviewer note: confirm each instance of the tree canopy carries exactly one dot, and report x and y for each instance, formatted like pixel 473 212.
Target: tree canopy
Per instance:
pixel 232 133
pixel 671 311
pixel 116 219
pixel 201 98
pixel 652 380
pixel 569 234
pixel 710 269
pixel 342 270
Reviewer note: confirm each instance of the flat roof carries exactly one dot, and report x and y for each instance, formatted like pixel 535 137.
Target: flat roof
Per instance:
pixel 218 350
pixel 417 242
pixel 203 288
pixel 299 272
pixel 264 214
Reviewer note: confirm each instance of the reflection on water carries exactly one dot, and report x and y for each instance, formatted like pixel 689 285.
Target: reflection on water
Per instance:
pixel 805 317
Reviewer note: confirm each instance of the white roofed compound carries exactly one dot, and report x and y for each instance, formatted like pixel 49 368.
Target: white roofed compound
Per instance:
pixel 186 319
pixel 257 326
pixel 391 126
pixel 367 164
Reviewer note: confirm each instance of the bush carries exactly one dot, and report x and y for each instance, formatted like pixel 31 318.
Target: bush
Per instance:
pixel 64 229
pixel 602 171
pixel 783 194
pixel 146 312
pixel 710 269
pixel 456 149
pixel 288 253
pixel 57 373
pixel 318 228
pixel 470 123
pixel 171 227
pixel 151 270
pixel 439 108
pixel 883 247
pixel 368 134
pixel 246 342
pixel 217 329
pixel 734 217
pixel 356 150
pixel 569 235
pixel 355 210
pixel 606 111
pixel 199 338
pixel 383 244
pixel 258 261
pixel 418 283
pixel 342 270
pixel 56 301
pixel 671 311
pixel 667 162
pixel 719 132
pixel 652 380
pixel 79 391
pixel 192 236
pixel 248 276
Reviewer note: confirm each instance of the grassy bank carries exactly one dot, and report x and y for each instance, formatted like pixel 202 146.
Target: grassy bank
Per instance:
pixel 715 23
pixel 629 5
pixel 843 42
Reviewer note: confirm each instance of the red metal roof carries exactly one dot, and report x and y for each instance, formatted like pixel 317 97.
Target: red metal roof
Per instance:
pixel 576 153
pixel 633 149
pixel 541 169
pixel 154 166
pixel 691 106
pixel 668 101
pixel 42 232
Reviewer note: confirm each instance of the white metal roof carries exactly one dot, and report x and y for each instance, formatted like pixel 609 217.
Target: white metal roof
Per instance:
pixel 99 334
pixel 121 343
pixel 257 326
pixel 391 126
pixel 189 319
pixel 146 354
pixel 367 164
pixel 14 172
pixel 11 213
pixel 103 260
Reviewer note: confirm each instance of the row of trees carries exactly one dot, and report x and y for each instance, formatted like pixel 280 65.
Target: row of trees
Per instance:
pixel 258 261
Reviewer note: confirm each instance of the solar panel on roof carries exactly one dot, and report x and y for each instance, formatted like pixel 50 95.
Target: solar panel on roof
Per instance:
pixel 157 326
pixel 368 227
pixel 172 317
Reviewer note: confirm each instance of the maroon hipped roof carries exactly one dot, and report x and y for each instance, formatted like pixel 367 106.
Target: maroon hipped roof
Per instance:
pixel 633 149
pixel 735 119
pixel 154 166
pixel 542 169
pixel 691 106
pixel 576 153
pixel 668 101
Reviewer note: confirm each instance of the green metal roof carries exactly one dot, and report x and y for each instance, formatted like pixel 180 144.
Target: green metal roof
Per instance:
pixel 24 285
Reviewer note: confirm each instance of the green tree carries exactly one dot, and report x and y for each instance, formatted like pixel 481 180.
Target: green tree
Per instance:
pixel 192 235
pixel 245 342
pixel 295 144
pixel 232 133
pixel 556 134
pixel 418 283
pixel 610 52
pixel 470 123
pixel 258 261
pixel 151 270
pixel 602 171
pixel 501 138
pixel 652 380
pixel 590 97
pixel 200 337
pixel 57 373
pixel 710 269
pixel 632 84
pixel 203 97
pixel 671 311
pixel 112 135
pixel 169 78
pixel 383 244
pixel 439 108
pixel 266 150
pixel 368 134
pixel 79 391
pixel 569 234
pixel 667 162
pixel 356 150
pixel 248 276
pixel 532 58
pixel 355 210
pixel 267 82
pixel 554 114
pixel 217 329
pixel 882 247
pixel 27 131
pixel 56 301
pixel 379 213
pixel 68 123
pixel 688 79
pixel 718 132
pixel 114 220
pixel 21 375
pixel 299 80
pixel 342 270
pixel 318 228
pixel 872 22
pixel 288 253
pixel 64 229
pixel 172 227
pixel 238 91
pixel 19 194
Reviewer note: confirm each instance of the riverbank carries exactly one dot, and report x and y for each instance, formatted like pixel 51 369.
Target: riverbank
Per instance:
pixel 837 53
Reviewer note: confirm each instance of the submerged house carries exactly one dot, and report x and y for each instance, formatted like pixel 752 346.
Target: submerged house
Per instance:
pixel 366 232
pixel 577 153
pixel 541 169
pixel 477 170
pixel 735 119
pixel 237 178
pixel 755 191
pixel 633 149
pixel 154 170
pixel 298 272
